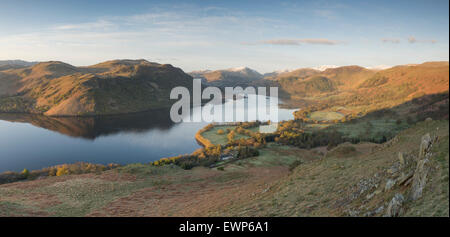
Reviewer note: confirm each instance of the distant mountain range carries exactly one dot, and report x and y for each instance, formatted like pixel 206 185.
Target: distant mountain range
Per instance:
pixel 126 86
pixel 300 82
pixel 245 74
pixel 346 83
pixel 14 64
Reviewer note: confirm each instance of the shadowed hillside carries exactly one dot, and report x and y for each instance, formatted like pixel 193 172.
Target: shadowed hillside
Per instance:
pixel 14 64
pixel 229 77
pixel 306 87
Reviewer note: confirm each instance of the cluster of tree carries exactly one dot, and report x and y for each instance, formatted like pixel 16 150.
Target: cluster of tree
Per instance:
pixel 259 137
pixel 210 154
pixel 230 136
pixel 246 151
pixel 201 157
pixel 251 142
pixel 59 170
pixel 310 140
pixel 193 161
pixel 251 124
pixel 79 168
pixel 256 139
pixel 207 156
pixel 296 126
pixel 302 114
pixel 167 161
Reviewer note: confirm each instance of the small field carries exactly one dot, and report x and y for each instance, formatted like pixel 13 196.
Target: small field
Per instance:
pixel 273 155
pixel 326 115
pixel 374 128
pixel 317 126
pixel 364 129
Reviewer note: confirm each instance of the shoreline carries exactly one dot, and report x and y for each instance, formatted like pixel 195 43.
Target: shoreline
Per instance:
pixel 200 139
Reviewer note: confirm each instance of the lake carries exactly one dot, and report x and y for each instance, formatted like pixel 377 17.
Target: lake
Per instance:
pixel 36 141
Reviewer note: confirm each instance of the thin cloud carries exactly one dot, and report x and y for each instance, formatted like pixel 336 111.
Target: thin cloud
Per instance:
pixel 86 26
pixel 413 40
pixel 325 13
pixel 390 40
pixel 282 42
pixel 320 41
pixel 295 42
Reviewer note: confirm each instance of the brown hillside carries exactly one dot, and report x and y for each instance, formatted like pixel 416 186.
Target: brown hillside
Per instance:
pixel 348 77
pixel 304 82
pixel 426 78
pixel 383 89
pixel 404 83
pixel 113 87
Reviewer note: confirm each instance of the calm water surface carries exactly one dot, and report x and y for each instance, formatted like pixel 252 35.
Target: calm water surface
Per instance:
pixel 35 141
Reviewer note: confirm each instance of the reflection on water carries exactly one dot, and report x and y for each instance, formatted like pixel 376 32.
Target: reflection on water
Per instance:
pixel 93 127
pixel 36 141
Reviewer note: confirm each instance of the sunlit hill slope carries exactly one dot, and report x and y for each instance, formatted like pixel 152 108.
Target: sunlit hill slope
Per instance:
pixel 113 87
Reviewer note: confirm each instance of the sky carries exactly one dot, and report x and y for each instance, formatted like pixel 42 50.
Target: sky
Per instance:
pixel 198 35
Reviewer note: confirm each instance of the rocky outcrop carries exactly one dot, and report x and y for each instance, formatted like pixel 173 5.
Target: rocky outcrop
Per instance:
pixel 419 178
pixel 407 178
pixel 413 169
pixel 389 184
pixel 395 206
pixel 365 185
pixel 425 146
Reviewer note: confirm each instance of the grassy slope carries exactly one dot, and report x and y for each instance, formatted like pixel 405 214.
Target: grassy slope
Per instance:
pixel 321 188
pixel 387 122
pixel 259 186
pixel 326 116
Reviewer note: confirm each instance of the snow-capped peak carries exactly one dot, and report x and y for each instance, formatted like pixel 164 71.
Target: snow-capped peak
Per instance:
pixel 379 67
pixel 283 71
pixel 238 69
pixel 243 70
pixel 324 67
pixel 201 71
